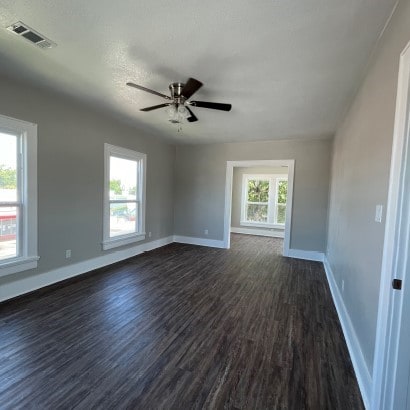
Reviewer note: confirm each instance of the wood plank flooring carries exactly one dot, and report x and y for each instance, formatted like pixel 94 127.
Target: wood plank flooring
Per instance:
pixel 181 327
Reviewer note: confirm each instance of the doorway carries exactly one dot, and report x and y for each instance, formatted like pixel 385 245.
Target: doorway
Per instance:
pixel 289 164
pixel 392 354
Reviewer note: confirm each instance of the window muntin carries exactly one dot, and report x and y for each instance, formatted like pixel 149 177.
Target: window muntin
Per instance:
pixel 18 196
pixel 264 200
pixel 124 210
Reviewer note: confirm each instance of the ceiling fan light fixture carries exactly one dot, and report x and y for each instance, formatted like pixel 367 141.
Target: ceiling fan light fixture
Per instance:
pixel 177 114
pixel 179 110
pixel 173 114
pixel 183 112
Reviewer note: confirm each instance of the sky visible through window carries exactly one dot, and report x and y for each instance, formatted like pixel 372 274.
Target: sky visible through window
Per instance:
pixel 8 192
pixel 123 186
pixel 8 167
pixel 8 150
pixel 125 171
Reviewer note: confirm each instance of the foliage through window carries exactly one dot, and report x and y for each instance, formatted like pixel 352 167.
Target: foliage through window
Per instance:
pixel 125 196
pixel 264 199
pixel 282 193
pixel 10 214
pixel 18 210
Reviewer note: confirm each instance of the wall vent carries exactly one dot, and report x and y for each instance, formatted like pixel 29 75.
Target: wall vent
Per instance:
pixel 23 30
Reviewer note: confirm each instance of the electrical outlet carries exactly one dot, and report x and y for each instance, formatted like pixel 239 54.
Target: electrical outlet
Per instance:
pixel 68 254
pixel 206 231
pixel 343 285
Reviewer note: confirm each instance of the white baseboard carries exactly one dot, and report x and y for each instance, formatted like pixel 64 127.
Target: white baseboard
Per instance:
pixel 306 255
pixel 212 243
pixel 258 232
pixel 359 364
pixel 18 287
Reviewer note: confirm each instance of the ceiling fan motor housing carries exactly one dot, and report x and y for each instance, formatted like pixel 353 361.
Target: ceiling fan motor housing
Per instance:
pixel 176 90
pixel 179 104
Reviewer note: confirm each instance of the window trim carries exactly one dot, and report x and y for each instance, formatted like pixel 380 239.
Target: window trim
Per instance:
pixel 272 201
pixel 276 203
pixel 28 250
pixel 125 153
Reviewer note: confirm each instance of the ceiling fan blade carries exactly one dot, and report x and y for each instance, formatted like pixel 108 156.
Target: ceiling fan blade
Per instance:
pixel 191 87
pixel 212 105
pixel 193 117
pixel 140 87
pixel 154 107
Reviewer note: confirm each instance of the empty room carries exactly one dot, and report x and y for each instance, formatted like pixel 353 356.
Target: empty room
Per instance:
pixel 205 205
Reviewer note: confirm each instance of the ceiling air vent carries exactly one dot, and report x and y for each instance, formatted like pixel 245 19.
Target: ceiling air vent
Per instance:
pixel 23 30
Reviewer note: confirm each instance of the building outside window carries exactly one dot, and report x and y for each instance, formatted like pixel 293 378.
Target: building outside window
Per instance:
pixel 124 202
pixel 18 196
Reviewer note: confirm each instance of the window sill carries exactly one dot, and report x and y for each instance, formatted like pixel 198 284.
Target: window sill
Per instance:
pixel 262 225
pixel 18 265
pixel 121 241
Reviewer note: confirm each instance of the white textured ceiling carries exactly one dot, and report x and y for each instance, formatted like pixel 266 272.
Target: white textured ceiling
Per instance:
pixel 288 67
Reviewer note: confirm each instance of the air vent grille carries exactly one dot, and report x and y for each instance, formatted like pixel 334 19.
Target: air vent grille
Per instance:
pixel 45 44
pixel 23 30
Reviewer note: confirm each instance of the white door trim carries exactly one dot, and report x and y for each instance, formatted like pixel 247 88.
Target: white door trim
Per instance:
pixel 394 255
pixel 290 163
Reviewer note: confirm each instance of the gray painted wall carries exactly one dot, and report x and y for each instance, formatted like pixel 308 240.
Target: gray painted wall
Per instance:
pixel 200 187
pixel 71 141
pixel 237 191
pixel 360 172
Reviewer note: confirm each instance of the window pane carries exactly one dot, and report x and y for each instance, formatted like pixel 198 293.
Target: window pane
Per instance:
pixel 281 215
pixel 8 232
pixel 257 213
pixel 123 218
pixel 8 168
pixel 282 192
pixel 123 178
pixel 258 191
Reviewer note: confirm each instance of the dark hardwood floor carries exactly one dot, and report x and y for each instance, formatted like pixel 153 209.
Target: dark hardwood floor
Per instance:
pixel 181 327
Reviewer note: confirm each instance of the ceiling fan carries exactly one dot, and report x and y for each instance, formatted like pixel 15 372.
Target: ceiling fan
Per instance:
pixel 179 103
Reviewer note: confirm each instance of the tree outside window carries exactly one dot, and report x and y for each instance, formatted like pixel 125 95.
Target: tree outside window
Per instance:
pixel 264 200
pixel 124 206
pixel 18 196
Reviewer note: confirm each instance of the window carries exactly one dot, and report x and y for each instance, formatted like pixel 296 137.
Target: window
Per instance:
pixel 124 196
pixel 280 200
pixel 264 200
pixel 18 196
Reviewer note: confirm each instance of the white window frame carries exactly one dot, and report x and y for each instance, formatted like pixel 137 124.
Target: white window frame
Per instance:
pixel 26 236
pixel 141 159
pixel 272 201
pixel 279 179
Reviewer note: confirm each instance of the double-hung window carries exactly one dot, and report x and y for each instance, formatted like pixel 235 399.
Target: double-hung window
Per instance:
pixel 124 196
pixel 281 195
pixel 264 200
pixel 18 196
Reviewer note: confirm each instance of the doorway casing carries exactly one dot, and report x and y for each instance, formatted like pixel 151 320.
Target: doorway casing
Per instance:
pixel 388 388
pixel 230 165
